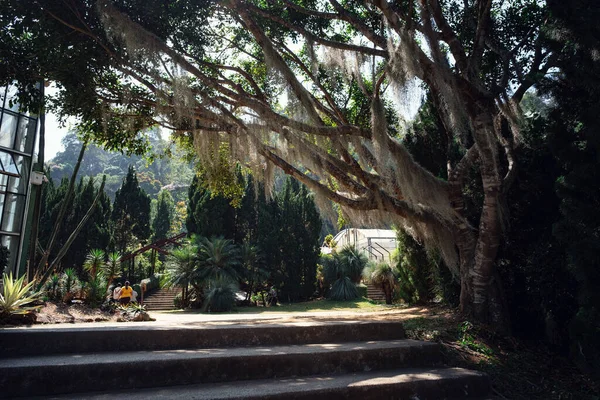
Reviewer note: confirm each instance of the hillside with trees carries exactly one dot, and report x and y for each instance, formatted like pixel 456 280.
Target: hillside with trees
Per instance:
pixel 164 165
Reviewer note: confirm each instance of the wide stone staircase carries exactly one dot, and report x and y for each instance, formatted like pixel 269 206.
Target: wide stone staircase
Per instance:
pixel 267 360
pixel 375 293
pixel 161 299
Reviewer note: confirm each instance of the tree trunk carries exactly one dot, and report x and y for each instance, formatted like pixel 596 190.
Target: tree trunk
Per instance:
pixel 37 208
pixel 480 291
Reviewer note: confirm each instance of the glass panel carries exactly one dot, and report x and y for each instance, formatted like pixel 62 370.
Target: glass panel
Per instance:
pixel 13 213
pixel 12 243
pixel 25 135
pixel 8 163
pixel 19 185
pixel 11 94
pixel 3 184
pixel 2 95
pixel 8 130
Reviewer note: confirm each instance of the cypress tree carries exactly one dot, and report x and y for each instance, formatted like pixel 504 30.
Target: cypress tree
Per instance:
pixel 209 215
pixel 161 225
pixel 131 211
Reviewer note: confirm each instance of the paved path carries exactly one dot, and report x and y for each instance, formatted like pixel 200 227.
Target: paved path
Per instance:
pixel 190 319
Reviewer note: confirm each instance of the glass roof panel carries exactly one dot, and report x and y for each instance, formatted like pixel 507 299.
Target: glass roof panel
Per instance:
pixel 8 165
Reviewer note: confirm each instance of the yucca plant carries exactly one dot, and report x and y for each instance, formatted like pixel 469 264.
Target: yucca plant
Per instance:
pixel 53 287
pixel 386 277
pixel 94 262
pixel 16 296
pixel 69 281
pixel 112 267
pixel 96 291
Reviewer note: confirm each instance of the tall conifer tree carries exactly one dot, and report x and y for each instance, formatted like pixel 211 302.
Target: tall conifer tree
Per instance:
pixel 161 225
pixel 131 211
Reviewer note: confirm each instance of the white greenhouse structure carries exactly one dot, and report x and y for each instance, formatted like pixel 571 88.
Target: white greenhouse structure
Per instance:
pixel 378 244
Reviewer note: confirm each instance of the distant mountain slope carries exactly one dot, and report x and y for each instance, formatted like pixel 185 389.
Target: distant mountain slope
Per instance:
pixel 174 173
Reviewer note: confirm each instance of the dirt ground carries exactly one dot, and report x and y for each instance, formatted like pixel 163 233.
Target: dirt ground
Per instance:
pixel 59 313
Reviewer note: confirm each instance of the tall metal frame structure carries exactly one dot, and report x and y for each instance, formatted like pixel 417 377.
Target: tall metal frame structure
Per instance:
pixel 18 133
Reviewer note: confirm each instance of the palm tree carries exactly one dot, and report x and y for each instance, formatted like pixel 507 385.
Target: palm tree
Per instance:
pixel 182 269
pixel 94 262
pixel 112 266
pixel 385 276
pixel 219 258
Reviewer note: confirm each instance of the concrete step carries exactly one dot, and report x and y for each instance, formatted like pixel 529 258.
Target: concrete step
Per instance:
pixel 72 373
pixel 403 384
pixel 163 299
pixel 42 341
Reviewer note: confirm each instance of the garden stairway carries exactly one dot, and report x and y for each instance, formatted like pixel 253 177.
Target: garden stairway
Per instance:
pixel 267 360
pixel 375 293
pixel 162 299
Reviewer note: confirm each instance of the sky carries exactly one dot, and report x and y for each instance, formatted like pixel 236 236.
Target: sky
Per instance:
pixel 54 136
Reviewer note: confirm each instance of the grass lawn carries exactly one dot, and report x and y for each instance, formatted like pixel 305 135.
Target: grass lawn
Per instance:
pixel 320 305
pixel 361 305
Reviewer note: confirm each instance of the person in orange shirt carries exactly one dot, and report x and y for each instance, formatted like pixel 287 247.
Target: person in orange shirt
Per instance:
pixel 126 292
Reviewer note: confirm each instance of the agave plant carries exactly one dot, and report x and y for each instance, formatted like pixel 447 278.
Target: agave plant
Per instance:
pixel 16 296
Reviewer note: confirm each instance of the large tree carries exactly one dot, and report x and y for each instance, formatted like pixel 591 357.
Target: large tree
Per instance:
pixel 574 127
pixel 317 88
